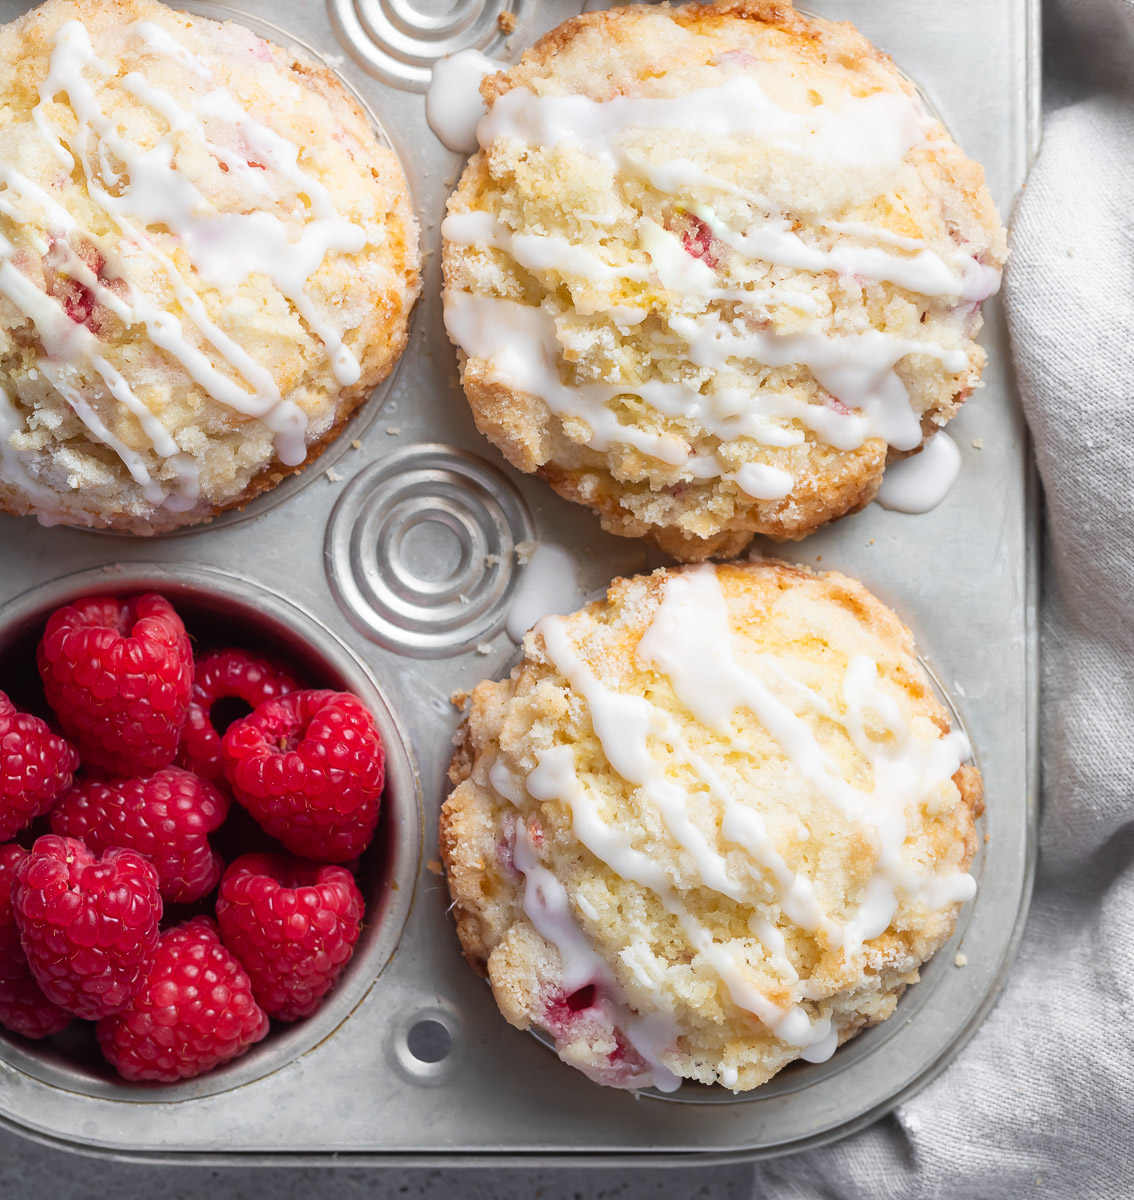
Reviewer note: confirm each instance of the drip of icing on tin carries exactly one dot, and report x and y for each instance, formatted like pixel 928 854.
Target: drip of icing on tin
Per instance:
pixel 138 189
pixel 549 585
pixel 822 1050
pixel 453 103
pixel 729 1076
pixel 689 642
pixel 919 483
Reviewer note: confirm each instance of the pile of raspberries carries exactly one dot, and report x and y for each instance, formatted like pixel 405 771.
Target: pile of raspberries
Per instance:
pixel 131 786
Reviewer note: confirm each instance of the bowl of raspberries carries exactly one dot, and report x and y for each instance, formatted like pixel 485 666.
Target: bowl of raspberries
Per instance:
pixel 194 844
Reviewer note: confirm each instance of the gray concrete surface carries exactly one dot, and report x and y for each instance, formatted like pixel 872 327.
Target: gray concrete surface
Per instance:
pixel 32 1172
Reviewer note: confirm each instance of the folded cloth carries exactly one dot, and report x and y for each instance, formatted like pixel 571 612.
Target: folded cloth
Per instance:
pixel 1041 1101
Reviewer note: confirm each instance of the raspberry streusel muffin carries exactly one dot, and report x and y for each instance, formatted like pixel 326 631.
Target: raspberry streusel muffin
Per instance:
pixel 207 263
pixel 712 267
pixel 710 825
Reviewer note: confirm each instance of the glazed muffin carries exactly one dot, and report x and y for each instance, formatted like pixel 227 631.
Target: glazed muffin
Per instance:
pixel 712 267
pixel 710 825
pixel 207 263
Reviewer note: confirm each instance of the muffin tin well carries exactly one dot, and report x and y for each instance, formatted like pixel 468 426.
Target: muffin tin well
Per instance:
pixel 396 567
pixel 221 608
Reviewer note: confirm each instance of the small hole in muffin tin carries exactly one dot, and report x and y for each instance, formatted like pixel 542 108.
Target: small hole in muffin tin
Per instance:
pixel 429 1041
pixel 426 1044
pixel 219 609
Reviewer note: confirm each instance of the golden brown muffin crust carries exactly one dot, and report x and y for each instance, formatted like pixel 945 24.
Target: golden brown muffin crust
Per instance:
pixel 57 462
pixel 812 626
pixel 937 195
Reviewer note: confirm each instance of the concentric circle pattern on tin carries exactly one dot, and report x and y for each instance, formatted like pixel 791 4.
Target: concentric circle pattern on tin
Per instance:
pixel 397 41
pixel 421 549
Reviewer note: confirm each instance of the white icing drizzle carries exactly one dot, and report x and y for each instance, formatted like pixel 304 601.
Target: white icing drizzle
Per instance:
pixel 669 264
pixel 225 248
pixel 547 906
pixel 453 103
pixel 624 725
pixel 772 240
pixel 684 641
pixel 859 371
pixel 919 483
pixel 549 584
pixel 868 132
pixel 519 345
pixel 534 252
pixel 822 1050
pixel 165 43
pixel 71 343
pixel 875 232
pixel 63 340
pixel 681 174
pixel 926 273
pixel 179 119
pixel 142 189
pixel 690 642
pixel 12 468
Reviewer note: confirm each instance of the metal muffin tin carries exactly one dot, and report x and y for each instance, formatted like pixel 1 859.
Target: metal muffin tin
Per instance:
pixel 393 561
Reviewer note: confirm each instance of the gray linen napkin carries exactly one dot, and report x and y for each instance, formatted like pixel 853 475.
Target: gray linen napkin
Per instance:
pixel 1041 1102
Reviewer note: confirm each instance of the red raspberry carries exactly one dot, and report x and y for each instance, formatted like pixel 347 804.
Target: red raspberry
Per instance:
pixel 293 925
pixel 224 675
pixel 166 816
pixel 36 768
pixel 118 675
pixel 835 403
pixel 310 768
pixel 698 241
pixel 194 1010
pixel 79 302
pixel 23 1007
pixel 89 925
